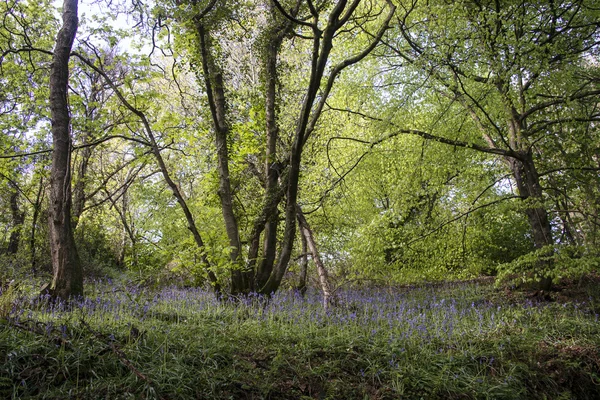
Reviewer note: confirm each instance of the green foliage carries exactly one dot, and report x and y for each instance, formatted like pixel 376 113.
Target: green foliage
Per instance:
pixel 413 210
pixel 97 249
pixel 382 204
pixel 556 263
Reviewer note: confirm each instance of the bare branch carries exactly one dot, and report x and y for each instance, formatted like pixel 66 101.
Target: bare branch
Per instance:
pixel 471 210
pixel 587 169
pixel 562 100
pixel 341 66
pixel 81 146
pixel 429 136
pixel 290 17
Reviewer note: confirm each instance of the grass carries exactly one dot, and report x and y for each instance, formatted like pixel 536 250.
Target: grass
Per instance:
pixel 451 341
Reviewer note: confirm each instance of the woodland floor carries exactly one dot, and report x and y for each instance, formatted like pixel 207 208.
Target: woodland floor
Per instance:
pixel 461 340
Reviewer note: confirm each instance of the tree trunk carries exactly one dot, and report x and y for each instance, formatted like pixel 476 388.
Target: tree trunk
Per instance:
pixel 18 217
pixel 528 185
pixel 128 230
pixel 213 80
pixel 289 235
pixel 68 274
pixel 569 227
pixel 79 189
pixel 303 266
pixel 328 298
pixel 271 202
pixel 34 219
pixel 272 167
pixel 320 55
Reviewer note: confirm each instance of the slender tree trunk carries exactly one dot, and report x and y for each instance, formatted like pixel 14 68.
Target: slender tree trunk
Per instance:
pixel 18 217
pixel 303 266
pixel 213 80
pixel 269 210
pixel 128 231
pixel 128 228
pixel 569 227
pixel 312 245
pixel 68 274
pixel 320 53
pixel 34 219
pixel 79 189
pixel 289 235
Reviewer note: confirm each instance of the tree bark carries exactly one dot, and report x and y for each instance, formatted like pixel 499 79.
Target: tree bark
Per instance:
pixel 128 228
pixel 303 266
pixel 269 210
pixel 80 184
pixel 273 192
pixel 18 217
pixel 528 185
pixel 320 55
pixel 215 90
pixel 36 213
pixel 68 273
pixel 328 298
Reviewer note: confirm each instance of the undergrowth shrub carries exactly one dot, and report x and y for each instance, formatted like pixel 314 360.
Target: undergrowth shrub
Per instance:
pixel 549 262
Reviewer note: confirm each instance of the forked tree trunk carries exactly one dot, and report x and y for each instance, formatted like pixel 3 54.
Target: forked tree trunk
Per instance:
pixel 273 193
pixel 328 298
pixel 68 274
pixel 311 111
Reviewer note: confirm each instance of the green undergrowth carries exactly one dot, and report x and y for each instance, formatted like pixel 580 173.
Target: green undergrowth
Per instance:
pixel 455 341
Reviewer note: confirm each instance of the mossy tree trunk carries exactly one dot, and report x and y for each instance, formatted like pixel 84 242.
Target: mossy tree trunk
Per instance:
pixel 67 269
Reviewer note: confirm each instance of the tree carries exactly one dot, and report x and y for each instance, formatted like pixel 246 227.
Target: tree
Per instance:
pixel 280 178
pixel 282 172
pixel 18 217
pixel 405 208
pixel 68 274
pixel 24 34
pixel 514 69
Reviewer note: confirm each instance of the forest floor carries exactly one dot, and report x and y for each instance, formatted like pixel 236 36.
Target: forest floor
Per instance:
pixel 462 340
